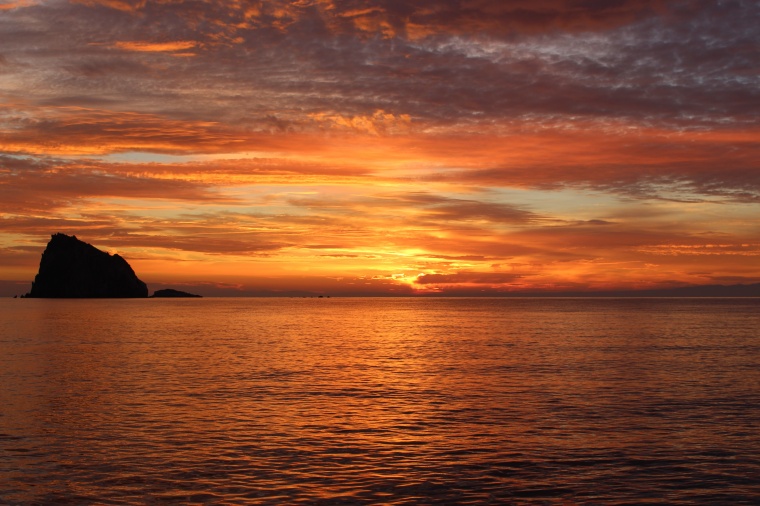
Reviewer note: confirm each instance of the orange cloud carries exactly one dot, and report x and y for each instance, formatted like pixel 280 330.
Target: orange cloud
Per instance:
pixel 155 47
pixel 378 123
pixel 84 131
pixel 635 161
pixel 468 278
pixel 122 5
pixel 749 250
pixel 6 6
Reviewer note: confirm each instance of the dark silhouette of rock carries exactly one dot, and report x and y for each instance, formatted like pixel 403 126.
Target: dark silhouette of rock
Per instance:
pixel 171 292
pixel 71 268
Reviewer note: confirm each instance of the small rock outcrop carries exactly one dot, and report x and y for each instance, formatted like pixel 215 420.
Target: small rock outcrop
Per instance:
pixel 71 268
pixel 171 292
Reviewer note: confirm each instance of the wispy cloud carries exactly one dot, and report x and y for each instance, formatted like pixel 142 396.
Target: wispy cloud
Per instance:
pixel 155 47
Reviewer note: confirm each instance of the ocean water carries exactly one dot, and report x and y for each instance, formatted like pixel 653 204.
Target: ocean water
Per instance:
pixel 380 401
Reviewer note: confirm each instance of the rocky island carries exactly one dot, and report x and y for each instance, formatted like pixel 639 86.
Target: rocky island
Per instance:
pixel 171 292
pixel 70 268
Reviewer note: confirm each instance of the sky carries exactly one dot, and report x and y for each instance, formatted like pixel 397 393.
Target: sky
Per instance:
pixel 385 147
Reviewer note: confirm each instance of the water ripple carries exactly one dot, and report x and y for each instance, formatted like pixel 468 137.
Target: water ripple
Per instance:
pixel 390 401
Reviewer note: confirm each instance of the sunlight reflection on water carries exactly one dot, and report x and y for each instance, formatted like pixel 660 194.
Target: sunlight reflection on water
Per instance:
pixel 394 401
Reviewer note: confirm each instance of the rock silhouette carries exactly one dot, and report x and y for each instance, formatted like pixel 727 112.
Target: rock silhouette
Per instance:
pixel 171 292
pixel 70 268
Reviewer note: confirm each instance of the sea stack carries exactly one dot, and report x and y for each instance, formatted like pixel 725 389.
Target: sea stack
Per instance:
pixel 71 268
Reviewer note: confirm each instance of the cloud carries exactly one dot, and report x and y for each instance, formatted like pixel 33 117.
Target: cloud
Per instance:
pixel 379 122
pixel 29 185
pixel 596 142
pixel 393 18
pixel 69 130
pixel 445 209
pixel 751 250
pixel 7 6
pixel 641 162
pixel 122 5
pixel 155 47
pixel 469 278
pixel 488 63
pixel 210 243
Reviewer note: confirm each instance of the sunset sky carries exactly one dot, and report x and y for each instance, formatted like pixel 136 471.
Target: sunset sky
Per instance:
pixel 386 146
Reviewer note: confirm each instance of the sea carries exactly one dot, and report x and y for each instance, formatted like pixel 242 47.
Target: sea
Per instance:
pixel 393 401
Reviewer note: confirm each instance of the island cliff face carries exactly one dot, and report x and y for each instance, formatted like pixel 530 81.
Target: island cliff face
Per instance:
pixel 71 268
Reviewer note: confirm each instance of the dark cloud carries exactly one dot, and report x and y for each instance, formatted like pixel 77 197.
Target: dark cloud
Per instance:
pixel 113 66
pixel 410 19
pixel 681 63
pixel 444 209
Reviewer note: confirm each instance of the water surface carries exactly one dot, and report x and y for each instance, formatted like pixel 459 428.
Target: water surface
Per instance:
pixel 390 401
